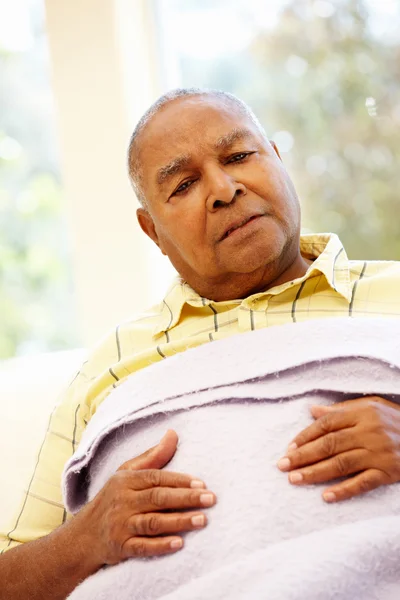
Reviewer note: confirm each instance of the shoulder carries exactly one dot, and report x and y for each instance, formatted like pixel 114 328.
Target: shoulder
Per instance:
pixel 125 339
pixel 131 335
pixel 375 269
pixel 376 287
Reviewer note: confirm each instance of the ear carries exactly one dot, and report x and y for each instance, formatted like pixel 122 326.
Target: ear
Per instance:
pixel 275 147
pixel 147 225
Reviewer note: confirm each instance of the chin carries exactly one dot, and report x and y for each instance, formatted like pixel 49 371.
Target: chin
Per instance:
pixel 256 255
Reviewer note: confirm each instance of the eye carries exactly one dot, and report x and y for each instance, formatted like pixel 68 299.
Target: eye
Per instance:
pixel 240 157
pixel 183 187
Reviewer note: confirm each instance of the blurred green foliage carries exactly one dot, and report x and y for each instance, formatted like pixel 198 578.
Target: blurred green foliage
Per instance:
pixel 36 304
pixel 322 81
pixel 326 85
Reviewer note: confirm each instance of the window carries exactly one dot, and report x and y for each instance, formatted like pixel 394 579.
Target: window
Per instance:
pixel 323 79
pixel 36 299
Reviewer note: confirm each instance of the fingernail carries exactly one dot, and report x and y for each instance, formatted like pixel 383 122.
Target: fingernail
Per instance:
pixel 198 521
pixel 175 544
pixel 207 499
pixel 292 447
pixel 196 483
pixel 295 477
pixel 284 464
pixel 329 497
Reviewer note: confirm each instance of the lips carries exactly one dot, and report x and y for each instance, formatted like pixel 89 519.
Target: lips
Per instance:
pixel 236 224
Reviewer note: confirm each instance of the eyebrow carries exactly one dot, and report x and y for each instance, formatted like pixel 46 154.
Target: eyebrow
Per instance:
pixel 180 162
pixel 236 135
pixel 172 168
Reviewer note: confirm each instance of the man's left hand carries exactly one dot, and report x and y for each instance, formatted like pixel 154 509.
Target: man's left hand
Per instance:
pixel 358 437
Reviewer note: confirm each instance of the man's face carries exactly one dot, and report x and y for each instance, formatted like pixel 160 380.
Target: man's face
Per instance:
pixel 220 202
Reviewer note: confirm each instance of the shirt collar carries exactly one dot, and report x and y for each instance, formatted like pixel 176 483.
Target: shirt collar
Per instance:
pixel 179 294
pixel 329 258
pixel 324 249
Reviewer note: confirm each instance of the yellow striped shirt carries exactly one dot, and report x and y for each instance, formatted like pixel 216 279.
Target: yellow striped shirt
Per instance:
pixel 333 286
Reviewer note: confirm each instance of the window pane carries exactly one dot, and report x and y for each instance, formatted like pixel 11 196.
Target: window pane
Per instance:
pixel 36 296
pixel 323 79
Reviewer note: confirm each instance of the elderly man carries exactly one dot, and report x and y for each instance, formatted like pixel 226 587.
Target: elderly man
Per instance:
pixel 217 200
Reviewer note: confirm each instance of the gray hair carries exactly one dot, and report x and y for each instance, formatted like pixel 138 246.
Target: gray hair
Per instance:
pixel 134 164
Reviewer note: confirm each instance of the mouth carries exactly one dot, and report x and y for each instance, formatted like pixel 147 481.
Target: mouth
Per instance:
pixel 243 223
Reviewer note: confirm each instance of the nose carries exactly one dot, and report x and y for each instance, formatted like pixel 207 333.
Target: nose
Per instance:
pixel 223 190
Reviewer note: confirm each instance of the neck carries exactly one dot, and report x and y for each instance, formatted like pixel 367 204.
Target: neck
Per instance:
pixel 297 269
pixel 244 285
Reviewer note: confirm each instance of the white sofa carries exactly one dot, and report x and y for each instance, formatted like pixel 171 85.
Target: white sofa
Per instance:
pixel 29 389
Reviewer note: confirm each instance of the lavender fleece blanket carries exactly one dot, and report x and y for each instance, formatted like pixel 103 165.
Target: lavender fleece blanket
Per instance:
pixel 235 405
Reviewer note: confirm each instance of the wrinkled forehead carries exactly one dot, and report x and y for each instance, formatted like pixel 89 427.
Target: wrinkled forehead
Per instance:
pixel 189 127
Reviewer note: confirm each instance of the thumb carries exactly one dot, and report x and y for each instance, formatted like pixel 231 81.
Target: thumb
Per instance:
pixel 157 456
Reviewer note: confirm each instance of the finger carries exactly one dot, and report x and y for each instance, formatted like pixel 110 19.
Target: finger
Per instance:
pixel 154 524
pixel 332 421
pixel 358 403
pixel 354 403
pixel 340 465
pixel 324 447
pixel 383 409
pixel 360 484
pixel 157 456
pixel 140 547
pixel 163 498
pixel 318 411
pixel 150 478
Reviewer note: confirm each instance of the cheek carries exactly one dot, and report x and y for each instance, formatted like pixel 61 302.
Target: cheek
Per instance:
pixel 183 229
pixel 274 185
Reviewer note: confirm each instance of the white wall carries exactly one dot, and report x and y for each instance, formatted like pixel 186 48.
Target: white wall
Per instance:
pixel 104 72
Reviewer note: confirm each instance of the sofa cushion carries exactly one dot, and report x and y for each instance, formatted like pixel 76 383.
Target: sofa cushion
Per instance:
pixel 29 389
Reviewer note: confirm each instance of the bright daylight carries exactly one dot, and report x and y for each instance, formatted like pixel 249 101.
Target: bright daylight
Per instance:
pixel 200 299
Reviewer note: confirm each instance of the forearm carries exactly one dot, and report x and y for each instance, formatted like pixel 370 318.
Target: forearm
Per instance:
pixel 48 568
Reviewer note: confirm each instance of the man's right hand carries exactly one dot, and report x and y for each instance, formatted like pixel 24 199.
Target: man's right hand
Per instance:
pixel 126 519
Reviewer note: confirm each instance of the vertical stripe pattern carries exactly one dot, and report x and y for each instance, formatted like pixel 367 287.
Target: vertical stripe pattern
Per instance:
pixel 339 287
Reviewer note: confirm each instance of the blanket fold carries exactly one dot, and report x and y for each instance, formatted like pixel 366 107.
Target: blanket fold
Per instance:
pixel 235 405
